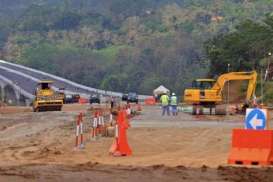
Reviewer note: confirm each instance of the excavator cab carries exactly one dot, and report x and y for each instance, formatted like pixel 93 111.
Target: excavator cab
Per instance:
pixel 201 92
pixel 203 83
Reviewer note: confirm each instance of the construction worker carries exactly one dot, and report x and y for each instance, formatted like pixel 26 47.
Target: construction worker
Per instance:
pixel 164 99
pixel 173 104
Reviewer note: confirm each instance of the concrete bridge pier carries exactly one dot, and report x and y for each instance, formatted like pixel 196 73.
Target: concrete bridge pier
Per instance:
pixel 23 101
pixel 2 92
pixel 11 96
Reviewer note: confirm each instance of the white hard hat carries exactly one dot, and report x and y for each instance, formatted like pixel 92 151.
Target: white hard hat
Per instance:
pixel 173 93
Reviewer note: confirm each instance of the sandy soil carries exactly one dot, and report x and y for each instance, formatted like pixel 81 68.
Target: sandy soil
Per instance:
pixel 40 147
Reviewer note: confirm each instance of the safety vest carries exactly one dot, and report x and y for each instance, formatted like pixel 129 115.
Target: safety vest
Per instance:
pixel 164 100
pixel 173 100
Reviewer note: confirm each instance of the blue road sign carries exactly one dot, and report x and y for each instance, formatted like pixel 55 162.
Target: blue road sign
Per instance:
pixel 255 119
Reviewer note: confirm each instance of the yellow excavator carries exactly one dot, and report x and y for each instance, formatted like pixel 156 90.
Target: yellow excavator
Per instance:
pixel 209 92
pixel 46 99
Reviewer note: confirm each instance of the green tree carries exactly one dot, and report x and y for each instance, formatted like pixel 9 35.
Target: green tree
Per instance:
pixel 242 49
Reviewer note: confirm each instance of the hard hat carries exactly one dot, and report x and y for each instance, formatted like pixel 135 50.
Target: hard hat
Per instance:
pixel 173 93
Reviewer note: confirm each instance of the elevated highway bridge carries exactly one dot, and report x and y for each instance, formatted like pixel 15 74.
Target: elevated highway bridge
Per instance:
pixel 18 83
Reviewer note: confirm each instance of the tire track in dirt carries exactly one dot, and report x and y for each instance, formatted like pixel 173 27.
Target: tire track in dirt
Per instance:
pixel 30 141
pixel 98 172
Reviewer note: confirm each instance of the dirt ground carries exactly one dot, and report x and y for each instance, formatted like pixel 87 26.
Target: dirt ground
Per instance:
pixel 40 147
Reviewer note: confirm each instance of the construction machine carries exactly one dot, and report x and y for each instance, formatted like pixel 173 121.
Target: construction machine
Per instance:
pixel 46 99
pixel 209 92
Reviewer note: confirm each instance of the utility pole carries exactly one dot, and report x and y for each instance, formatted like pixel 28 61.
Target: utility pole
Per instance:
pixel 262 90
pixel 227 105
pixel 82 6
pixel 2 94
pixel 67 5
pixel 267 68
pixel 265 76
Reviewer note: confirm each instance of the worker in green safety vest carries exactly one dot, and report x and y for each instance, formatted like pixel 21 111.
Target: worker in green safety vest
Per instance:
pixel 164 99
pixel 173 104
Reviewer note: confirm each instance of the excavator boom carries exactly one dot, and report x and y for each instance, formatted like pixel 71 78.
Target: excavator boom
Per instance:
pixel 250 76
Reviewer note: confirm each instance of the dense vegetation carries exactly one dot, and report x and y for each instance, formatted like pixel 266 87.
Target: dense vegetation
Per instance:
pixel 128 45
pixel 248 48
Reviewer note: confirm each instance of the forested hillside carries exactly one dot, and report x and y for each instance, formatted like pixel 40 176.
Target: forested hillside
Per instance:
pixel 125 45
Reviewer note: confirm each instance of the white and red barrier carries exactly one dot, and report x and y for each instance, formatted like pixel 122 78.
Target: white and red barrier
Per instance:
pixel 96 126
pixel 132 109
pixel 101 123
pixel 111 118
pixel 79 132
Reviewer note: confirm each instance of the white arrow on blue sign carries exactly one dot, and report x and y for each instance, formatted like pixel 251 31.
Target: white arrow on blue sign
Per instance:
pixel 255 119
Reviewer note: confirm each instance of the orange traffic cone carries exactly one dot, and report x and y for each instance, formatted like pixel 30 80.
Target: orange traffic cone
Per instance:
pixel 120 145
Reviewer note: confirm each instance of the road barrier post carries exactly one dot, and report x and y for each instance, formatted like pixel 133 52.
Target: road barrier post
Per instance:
pixel 95 126
pixel 111 118
pixel 79 132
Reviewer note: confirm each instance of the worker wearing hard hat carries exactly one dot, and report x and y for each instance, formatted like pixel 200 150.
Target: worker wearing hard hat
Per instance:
pixel 164 99
pixel 173 104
